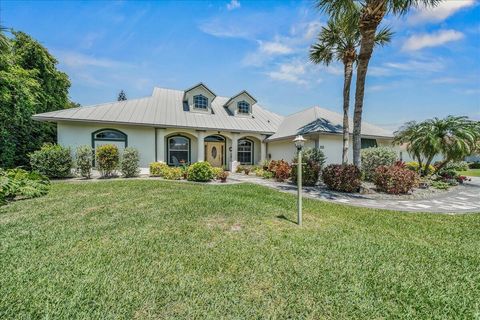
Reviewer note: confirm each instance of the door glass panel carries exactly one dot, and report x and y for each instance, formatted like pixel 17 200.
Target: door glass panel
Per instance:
pixel 214 152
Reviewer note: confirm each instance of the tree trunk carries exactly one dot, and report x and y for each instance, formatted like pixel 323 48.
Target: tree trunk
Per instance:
pixel 366 49
pixel 348 70
pixel 372 15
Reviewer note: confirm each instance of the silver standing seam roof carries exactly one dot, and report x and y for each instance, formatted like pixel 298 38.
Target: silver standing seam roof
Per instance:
pixel 166 108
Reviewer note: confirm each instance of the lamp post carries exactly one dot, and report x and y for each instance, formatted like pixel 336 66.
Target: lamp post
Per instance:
pixel 299 143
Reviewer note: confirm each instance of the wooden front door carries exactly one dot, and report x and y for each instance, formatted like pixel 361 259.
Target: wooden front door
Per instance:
pixel 214 152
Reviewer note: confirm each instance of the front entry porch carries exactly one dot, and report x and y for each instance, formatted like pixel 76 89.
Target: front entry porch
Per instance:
pixel 215 150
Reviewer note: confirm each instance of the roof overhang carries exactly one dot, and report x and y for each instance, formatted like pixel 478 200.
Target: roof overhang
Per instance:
pixel 327 133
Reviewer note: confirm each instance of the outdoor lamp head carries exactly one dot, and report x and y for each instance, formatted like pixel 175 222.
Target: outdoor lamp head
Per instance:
pixel 299 142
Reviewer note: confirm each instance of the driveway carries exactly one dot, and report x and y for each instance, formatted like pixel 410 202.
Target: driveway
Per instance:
pixel 462 199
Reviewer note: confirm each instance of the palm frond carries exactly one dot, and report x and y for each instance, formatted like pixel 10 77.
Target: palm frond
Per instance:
pixel 384 36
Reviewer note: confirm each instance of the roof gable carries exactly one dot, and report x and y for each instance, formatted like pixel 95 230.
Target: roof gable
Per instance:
pixel 199 85
pixel 243 92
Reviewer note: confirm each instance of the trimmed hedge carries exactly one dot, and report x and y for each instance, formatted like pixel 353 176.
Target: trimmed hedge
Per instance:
pixel 83 162
pixel 156 168
pixel 395 179
pixel 129 165
pixel 313 160
pixel 52 160
pixel 345 178
pixel 200 171
pixel 107 159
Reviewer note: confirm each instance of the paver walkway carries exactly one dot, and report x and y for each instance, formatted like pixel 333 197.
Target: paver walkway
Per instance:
pixel 462 199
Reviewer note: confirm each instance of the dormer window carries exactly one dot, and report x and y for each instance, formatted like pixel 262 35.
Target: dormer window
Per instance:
pixel 243 107
pixel 200 102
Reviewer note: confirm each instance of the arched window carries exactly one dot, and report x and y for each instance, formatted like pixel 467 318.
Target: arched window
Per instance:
pixel 115 136
pixel 200 102
pixel 243 107
pixel 245 151
pixel 178 150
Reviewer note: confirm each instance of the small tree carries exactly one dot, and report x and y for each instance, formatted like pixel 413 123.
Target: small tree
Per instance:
pixel 107 158
pixel 122 96
pixel 84 159
pixel 129 163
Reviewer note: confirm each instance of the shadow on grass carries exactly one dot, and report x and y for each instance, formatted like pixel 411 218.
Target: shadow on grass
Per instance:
pixel 283 217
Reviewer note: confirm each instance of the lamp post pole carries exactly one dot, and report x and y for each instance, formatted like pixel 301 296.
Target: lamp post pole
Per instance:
pixel 299 187
pixel 299 142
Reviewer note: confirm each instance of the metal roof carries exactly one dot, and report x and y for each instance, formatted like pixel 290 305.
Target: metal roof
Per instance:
pixel 165 108
pixel 316 119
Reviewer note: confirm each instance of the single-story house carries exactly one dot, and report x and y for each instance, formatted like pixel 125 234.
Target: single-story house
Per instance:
pixel 195 124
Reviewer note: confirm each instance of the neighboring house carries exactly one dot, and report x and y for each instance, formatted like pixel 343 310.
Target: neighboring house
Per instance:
pixel 177 126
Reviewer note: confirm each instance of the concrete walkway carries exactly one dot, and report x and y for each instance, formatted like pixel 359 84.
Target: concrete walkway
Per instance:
pixel 462 199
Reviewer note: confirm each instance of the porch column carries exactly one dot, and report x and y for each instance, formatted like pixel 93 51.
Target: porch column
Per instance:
pixel 200 146
pixel 263 150
pixel 234 164
pixel 160 134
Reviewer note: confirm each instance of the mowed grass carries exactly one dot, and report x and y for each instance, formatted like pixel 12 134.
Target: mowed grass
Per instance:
pixel 159 250
pixel 471 173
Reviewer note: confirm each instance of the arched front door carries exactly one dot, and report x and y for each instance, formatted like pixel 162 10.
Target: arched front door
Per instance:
pixel 215 150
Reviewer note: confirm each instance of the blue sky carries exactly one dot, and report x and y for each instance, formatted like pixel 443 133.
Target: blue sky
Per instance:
pixel 431 68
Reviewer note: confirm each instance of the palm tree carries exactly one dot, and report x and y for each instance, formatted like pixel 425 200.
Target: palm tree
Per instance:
pixel 339 40
pixel 453 137
pixel 372 13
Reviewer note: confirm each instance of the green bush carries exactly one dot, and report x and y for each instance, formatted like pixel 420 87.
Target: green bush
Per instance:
pixel 440 185
pixel 345 178
pixel 129 164
pixel 395 179
pixel 474 165
pixel 19 183
pixel 200 171
pixel 83 161
pixel 156 168
pixel 267 174
pixel 313 160
pixel 217 172
pixel 372 158
pixel 456 166
pixel 414 166
pixel 107 158
pixel 52 160
pixel 172 173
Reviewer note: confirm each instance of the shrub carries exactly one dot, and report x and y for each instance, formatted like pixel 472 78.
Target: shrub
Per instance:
pixel 217 172
pixel 156 168
pixel 474 165
pixel 313 160
pixel 200 171
pixel 21 183
pixel 52 160
pixel 267 175
pixel 372 158
pixel 223 176
pixel 240 169
pixel 395 179
pixel 440 185
pixel 414 166
pixel 172 173
pixel 129 164
pixel 107 158
pixel 282 170
pixel 84 159
pixel 345 178
pixel 456 166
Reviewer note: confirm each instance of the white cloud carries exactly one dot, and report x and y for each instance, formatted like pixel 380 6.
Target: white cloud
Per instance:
pixel 273 48
pixel 79 60
pixel 417 66
pixel 420 41
pixel 290 72
pixel 439 13
pixel 234 4
pixel 444 80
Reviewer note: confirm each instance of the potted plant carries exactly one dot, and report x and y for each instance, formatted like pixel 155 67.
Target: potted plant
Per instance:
pixel 223 176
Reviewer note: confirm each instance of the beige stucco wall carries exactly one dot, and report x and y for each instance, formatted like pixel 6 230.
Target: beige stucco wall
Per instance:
pixel 330 144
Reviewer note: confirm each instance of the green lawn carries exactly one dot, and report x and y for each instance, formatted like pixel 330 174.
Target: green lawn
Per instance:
pixel 154 249
pixel 471 173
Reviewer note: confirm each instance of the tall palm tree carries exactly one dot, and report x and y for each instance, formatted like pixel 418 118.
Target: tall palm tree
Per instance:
pixel 372 13
pixel 339 40
pixel 453 137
